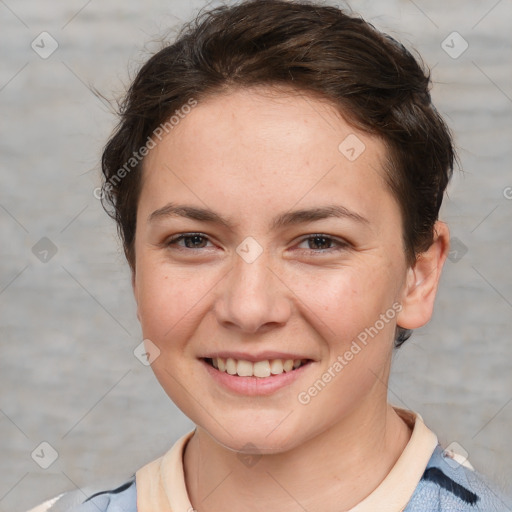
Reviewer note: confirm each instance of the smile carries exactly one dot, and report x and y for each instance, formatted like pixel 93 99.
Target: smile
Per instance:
pixel 261 369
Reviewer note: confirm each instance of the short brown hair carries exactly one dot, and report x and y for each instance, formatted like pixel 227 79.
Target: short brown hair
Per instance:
pixel 375 83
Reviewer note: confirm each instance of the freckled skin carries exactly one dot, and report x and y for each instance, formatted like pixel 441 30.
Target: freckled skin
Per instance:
pixel 250 157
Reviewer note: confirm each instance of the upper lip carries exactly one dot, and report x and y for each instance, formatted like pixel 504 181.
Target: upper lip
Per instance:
pixel 261 356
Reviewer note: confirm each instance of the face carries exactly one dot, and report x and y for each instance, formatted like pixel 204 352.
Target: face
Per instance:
pixel 260 238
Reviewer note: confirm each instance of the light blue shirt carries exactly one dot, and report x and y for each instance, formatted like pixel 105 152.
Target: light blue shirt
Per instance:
pixel 446 486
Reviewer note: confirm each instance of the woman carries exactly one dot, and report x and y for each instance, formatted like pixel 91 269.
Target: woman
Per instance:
pixel 276 178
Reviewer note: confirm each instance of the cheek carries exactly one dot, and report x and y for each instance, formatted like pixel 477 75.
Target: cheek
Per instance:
pixel 167 300
pixel 346 308
pixel 347 300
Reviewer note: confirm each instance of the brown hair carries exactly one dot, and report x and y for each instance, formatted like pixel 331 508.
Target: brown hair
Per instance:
pixel 375 83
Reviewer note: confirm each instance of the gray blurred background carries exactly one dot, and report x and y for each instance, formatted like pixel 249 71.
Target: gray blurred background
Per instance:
pixel 68 375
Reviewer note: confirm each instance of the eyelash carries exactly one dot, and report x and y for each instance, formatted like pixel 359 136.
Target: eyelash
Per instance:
pixel 342 245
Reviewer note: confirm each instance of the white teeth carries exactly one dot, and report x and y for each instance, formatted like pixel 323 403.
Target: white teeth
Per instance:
pixel 230 366
pixel 276 366
pixel 265 368
pixel 261 369
pixel 288 365
pixel 244 368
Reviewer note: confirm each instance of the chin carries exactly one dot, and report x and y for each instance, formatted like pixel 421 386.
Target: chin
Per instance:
pixel 252 439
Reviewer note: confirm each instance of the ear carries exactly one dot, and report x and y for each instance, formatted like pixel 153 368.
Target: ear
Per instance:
pixel 134 289
pixel 422 281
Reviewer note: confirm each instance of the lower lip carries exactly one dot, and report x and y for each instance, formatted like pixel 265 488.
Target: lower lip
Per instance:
pixel 253 386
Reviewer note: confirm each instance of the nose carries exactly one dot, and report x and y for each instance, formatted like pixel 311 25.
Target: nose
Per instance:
pixel 253 299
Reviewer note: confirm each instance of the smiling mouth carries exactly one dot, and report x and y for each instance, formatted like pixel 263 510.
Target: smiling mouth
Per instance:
pixel 260 369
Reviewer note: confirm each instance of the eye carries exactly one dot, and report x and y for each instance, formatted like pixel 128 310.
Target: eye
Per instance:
pixel 318 243
pixel 191 241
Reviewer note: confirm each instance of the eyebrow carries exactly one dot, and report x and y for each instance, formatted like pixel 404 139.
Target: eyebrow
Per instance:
pixel 282 220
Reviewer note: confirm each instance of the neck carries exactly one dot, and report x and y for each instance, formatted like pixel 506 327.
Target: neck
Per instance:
pixel 344 465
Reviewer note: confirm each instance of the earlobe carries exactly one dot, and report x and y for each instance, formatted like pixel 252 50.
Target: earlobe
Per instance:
pixel 423 280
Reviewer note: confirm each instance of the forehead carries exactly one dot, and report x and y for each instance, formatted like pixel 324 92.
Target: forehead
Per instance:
pixel 281 146
pixel 274 119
